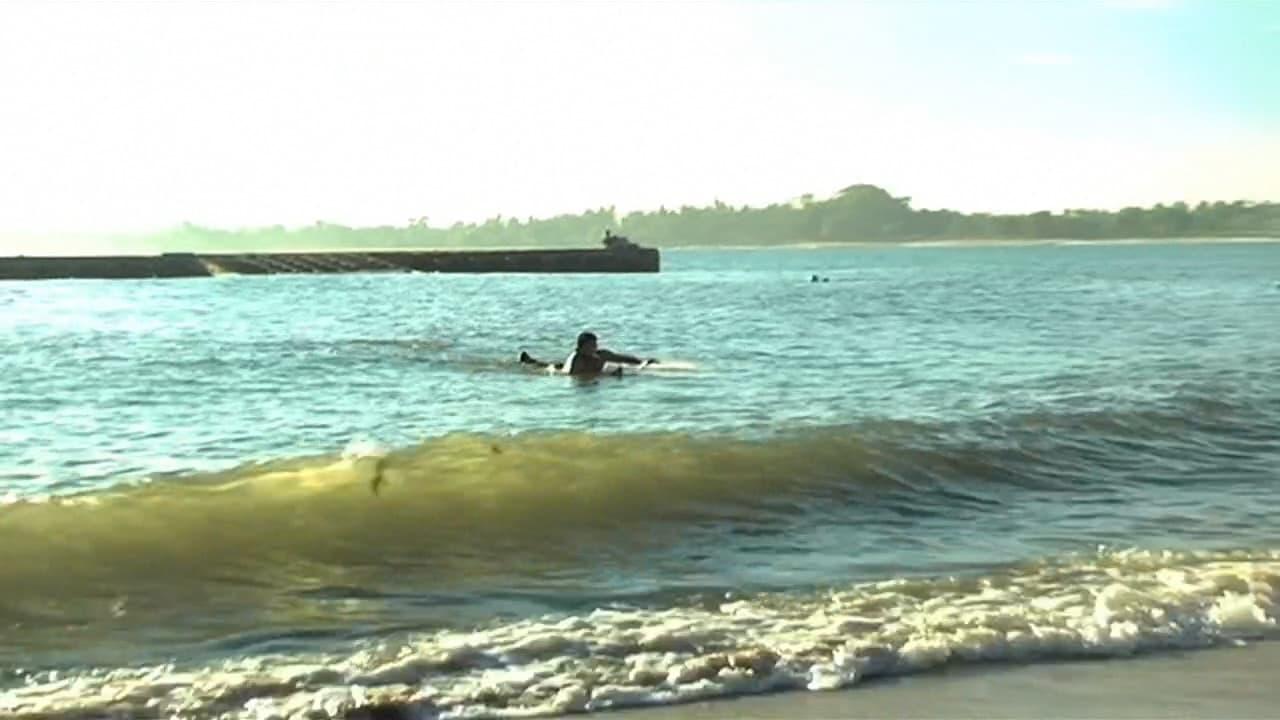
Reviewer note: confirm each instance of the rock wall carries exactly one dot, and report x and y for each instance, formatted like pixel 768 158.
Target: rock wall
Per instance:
pixel 622 259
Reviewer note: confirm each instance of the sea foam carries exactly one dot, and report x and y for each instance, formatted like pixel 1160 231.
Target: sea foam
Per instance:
pixel 1111 604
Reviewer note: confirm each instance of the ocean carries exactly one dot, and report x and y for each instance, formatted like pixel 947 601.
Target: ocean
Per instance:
pixel 341 496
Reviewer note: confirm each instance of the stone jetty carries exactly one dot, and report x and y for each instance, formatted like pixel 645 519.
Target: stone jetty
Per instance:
pixel 619 255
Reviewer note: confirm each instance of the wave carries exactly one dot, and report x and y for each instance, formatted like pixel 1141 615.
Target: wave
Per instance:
pixel 451 507
pixel 1110 604
pixel 455 509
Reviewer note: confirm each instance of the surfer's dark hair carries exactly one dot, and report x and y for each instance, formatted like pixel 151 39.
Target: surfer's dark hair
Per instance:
pixel 585 338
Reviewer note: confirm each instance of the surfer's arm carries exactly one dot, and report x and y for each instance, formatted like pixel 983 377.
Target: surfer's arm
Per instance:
pixel 610 356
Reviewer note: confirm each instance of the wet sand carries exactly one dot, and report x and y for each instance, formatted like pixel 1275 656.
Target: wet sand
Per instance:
pixel 1219 683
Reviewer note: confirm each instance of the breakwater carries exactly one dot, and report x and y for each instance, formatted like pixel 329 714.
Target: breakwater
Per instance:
pixel 615 259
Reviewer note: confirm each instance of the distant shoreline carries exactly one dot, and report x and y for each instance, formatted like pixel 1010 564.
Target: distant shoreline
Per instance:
pixel 866 215
pixel 966 243
pixel 859 244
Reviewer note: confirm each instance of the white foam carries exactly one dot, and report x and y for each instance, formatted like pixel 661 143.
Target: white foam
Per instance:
pixel 1243 614
pixel 363 449
pixel 1111 604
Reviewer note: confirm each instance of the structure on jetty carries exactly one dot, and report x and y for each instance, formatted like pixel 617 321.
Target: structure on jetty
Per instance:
pixel 619 255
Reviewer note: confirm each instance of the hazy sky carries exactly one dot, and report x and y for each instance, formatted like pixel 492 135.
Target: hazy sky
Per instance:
pixel 134 116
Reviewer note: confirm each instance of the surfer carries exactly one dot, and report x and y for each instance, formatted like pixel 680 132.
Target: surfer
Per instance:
pixel 588 358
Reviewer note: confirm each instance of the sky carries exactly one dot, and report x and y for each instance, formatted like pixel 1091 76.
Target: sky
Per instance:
pixel 137 116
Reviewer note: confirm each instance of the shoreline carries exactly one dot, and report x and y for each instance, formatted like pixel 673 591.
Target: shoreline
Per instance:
pixel 1221 682
pixel 92 253
pixel 959 243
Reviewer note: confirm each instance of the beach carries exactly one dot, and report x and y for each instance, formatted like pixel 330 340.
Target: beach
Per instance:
pixel 1237 682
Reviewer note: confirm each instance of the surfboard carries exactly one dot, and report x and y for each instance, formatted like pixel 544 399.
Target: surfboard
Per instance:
pixel 615 369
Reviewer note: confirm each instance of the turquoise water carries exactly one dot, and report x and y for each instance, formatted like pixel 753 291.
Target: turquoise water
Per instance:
pixel 940 454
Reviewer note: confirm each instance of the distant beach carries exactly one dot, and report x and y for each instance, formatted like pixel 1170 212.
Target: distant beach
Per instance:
pixel 962 243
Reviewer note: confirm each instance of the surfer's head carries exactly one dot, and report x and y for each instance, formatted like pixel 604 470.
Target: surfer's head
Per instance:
pixel 587 342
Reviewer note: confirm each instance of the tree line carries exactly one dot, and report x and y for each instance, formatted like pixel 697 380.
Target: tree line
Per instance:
pixel 858 213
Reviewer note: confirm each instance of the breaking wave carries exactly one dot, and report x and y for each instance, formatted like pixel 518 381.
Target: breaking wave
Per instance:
pixel 451 504
pixel 1110 604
